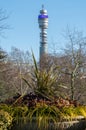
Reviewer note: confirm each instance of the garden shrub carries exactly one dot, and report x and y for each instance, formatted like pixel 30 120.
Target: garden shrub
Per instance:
pixel 5 120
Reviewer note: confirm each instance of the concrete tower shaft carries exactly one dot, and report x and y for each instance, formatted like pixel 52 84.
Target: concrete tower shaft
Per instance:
pixel 43 25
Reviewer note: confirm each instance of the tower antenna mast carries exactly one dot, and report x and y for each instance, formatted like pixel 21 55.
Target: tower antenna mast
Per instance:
pixel 42 6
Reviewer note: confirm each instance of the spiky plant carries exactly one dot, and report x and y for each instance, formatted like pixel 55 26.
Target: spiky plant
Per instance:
pixel 43 81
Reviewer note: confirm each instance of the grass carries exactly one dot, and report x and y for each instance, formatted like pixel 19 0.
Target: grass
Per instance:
pixel 44 114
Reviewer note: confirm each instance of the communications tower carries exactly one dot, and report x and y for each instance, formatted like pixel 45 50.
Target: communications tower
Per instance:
pixel 43 25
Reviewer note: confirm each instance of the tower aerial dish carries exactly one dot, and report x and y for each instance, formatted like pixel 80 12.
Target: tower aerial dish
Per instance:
pixel 43 25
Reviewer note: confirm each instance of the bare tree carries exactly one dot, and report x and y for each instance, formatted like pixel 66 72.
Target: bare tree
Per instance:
pixel 21 67
pixel 3 24
pixel 74 59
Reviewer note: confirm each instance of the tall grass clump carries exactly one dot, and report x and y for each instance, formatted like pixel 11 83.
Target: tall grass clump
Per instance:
pixel 44 115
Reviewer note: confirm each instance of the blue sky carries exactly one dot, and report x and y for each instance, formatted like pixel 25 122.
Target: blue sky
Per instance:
pixel 24 32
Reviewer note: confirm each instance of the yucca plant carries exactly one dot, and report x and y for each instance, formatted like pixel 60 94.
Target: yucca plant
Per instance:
pixel 43 81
